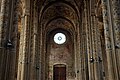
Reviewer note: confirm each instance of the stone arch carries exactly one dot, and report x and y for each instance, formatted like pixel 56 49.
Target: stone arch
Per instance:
pixel 60 65
pixel 59 22
pixel 63 2
pixel 58 9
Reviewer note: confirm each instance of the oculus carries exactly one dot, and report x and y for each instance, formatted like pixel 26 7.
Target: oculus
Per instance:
pixel 59 38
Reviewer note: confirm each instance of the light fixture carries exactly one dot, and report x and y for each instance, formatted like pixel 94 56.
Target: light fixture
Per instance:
pixel 37 67
pixel 117 46
pixel 9 44
pixel 91 60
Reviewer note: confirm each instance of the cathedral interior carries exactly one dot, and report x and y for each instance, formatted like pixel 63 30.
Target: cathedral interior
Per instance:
pixel 59 39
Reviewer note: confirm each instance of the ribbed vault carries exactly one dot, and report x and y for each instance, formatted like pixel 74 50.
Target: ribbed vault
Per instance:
pixel 53 11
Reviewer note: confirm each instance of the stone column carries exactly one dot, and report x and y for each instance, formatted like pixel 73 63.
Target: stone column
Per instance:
pixel 116 32
pixel 107 35
pixel 96 48
pixel 22 50
pixel 1 20
pixel 9 58
pixel 22 62
pixel 86 45
pixel 1 27
pixel 81 46
pixel 94 43
pixel 34 68
pixel 83 51
pixel 3 24
pixel 12 37
pixel 88 41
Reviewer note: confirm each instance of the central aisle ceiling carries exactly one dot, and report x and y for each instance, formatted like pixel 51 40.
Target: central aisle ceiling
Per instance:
pixel 60 13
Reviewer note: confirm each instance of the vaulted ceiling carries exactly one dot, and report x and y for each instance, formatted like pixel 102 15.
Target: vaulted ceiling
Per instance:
pixel 59 14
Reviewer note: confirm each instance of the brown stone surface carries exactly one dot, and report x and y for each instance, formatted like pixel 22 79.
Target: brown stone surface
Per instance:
pixel 91 51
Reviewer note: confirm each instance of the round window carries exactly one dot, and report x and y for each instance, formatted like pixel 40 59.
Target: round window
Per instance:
pixel 59 38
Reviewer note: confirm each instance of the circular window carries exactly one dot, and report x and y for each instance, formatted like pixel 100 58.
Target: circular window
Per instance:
pixel 59 38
